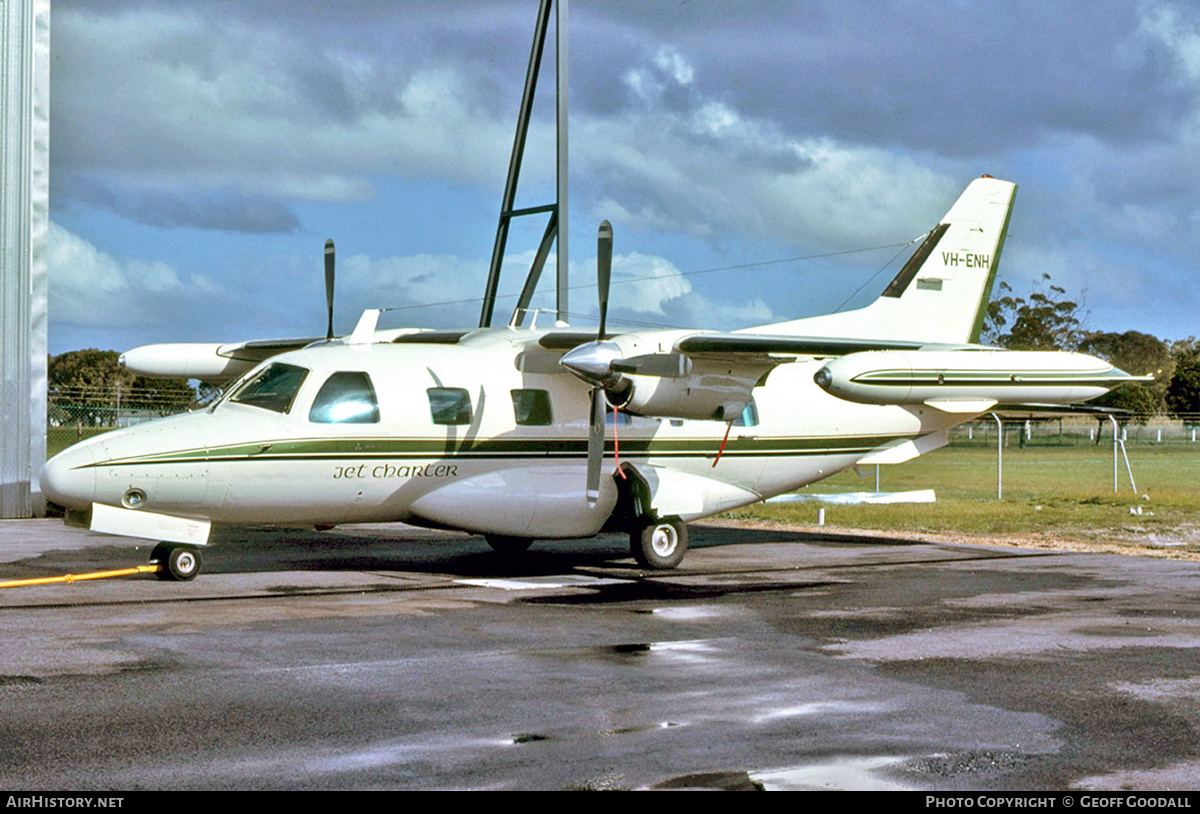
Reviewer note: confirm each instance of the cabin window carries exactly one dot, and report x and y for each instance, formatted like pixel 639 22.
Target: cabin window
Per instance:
pixel 449 405
pixel 749 416
pixel 272 388
pixel 532 408
pixel 347 397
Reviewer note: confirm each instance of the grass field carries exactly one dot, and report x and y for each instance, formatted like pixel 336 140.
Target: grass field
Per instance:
pixel 1053 495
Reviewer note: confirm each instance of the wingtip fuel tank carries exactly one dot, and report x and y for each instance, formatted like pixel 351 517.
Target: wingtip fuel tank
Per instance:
pixel 1000 376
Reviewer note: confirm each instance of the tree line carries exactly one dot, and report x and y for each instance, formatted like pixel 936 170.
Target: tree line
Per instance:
pixel 93 385
pixel 1048 319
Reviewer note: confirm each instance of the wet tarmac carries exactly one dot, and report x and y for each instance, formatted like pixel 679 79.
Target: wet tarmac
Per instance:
pixel 387 657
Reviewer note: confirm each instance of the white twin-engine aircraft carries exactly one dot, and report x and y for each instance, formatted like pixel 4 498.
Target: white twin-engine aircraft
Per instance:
pixel 502 431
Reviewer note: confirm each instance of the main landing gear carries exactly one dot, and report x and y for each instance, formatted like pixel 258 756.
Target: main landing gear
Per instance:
pixel 655 542
pixel 176 562
pixel 658 543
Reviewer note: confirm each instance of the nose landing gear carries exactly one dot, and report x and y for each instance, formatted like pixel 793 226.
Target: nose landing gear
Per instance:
pixel 176 562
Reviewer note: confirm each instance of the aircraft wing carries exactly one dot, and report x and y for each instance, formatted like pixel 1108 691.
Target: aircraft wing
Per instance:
pixel 690 374
pixel 791 345
pixel 696 374
pixel 743 343
pixel 259 349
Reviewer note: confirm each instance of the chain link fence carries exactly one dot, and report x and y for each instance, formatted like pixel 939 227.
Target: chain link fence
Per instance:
pixel 75 413
pixel 1082 430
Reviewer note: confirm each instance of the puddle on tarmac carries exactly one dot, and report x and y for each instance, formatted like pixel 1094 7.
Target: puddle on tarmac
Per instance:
pixel 841 774
pixel 816 708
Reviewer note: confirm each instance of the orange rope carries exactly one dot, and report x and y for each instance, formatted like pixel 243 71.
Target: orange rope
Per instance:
pixel 725 440
pixel 616 444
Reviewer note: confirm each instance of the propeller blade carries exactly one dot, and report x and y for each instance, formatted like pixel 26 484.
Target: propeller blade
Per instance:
pixel 329 285
pixel 595 447
pixel 604 246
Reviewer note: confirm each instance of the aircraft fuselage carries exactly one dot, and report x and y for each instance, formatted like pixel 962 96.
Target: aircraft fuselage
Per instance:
pixel 487 435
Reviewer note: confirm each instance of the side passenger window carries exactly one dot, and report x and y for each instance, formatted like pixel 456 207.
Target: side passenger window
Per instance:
pixel 749 416
pixel 449 405
pixel 346 398
pixel 532 408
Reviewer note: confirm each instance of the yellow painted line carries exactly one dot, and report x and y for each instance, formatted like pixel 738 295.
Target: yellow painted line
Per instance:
pixel 122 572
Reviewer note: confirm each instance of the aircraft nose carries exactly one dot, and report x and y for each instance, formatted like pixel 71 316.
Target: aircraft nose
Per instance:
pixel 68 478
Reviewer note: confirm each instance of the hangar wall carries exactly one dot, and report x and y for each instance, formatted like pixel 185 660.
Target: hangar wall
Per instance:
pixel 24 225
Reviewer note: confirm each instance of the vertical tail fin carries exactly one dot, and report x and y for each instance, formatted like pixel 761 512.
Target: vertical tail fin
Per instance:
pixel 941 294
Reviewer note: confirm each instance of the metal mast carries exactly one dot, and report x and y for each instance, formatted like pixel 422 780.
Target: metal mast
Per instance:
pixel 556 227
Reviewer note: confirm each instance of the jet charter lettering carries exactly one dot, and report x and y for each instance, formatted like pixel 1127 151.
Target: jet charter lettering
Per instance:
pixel 503 432
pixel 360 471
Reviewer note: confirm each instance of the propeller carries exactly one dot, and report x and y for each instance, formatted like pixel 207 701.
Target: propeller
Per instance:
pixel 604 243
pixel 329 286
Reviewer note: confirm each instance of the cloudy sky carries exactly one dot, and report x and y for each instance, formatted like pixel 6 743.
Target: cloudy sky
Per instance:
pixel 760 161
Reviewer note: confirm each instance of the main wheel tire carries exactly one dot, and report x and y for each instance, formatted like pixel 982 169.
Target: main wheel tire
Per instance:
pixel 176 563
pixel 508 546
pixel 659 544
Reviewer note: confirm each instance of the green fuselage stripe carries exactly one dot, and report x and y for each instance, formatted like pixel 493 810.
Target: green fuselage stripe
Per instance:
pixel 988 378
pixel 531 449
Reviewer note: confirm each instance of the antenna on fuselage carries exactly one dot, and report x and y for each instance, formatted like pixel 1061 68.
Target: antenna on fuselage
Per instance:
pixel 329 286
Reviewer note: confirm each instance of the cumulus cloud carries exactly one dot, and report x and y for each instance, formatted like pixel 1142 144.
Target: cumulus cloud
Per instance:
pixel 225 123
pixel 89 287
pixel 244 114
pixel 1178 30
pixel 444 292
pixel 649 291
pixel 708 169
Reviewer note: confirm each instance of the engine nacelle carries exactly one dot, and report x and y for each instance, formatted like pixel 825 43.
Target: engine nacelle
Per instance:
pixel 711 392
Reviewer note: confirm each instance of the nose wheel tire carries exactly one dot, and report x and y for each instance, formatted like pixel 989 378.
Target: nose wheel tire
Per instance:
pixel 659 544
pixel 176 563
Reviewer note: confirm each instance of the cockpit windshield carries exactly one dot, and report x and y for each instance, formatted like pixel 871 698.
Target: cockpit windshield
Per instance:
pixel 272 388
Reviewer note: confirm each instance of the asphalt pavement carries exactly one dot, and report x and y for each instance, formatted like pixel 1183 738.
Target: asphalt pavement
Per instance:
pixel 389 657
